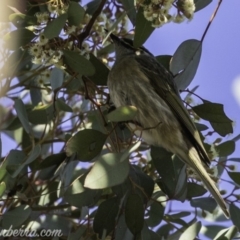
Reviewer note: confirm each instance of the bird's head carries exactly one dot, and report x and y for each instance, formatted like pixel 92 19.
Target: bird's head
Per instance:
pixel 125 46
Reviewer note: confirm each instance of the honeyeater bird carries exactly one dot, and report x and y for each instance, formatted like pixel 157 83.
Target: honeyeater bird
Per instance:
pixel 138 79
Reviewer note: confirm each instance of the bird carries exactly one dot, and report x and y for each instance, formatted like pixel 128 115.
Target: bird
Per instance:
pixel 138 79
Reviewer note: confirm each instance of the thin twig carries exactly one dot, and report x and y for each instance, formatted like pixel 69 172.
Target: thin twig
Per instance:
pixel 211 20
pixel 88 28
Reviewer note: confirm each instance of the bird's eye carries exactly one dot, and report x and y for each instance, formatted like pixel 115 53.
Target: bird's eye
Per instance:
pixel 138 53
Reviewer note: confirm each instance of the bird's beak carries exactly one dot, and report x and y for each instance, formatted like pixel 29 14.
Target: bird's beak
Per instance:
pixel 115 39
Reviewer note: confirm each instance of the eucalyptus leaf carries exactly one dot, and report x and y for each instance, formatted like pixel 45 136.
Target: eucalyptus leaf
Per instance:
pixel 200 4
pixel 105 218
pixel 86 198
pixel 15 159
pixel 143 29
pixel 134 213
pixel 122 231
pixel 129 7
pixel 225 149
pixel 206 203
pixel 21 20
pixel 41 114
pixel 194 190
pixel 164 60
pixel 185 61
pixel 87 143
pixel 36 151
pixel 61 105
pixel 22 115
pixel 2 188
pixel 92 6
pixel 235 215
pixel 235 176
pixel 78 63
pixel 122 114
pixel 227 233
pixel 191 232
pixel 163 163
pixel 75 13
pixel 107 171
pixel 181 186
pixel 16 217
pixel 56 78
pixel 54 28
pixel 155 214
pixel 214 113
pixel 101 71
pixel 18 38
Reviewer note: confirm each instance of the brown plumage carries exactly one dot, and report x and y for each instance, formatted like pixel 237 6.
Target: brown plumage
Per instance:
pixel 138 79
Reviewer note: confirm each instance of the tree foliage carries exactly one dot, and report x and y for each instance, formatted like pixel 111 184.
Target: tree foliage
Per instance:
pixel 75 165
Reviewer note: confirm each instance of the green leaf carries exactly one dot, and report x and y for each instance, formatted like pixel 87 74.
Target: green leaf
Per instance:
pixel 16 63
pixel 52 160
pixel 235 176
pixel 36 151
pixel 191 232
pixel 54 27
pixel 185 62
pixel 214 113
pixel 227 233
pixel 105 217
pixel 2 188
pixel 201 127
pixel 211 230
pixel 105 50
pixel 164 60
pixel 206 203
pixel 78 63
pixel 130 10
pixel 134 213
pixel 155 214
pixel 62 106
pixel 56 78
pixel 92 6
pixel 163 163
pixel 200 4
pixel 16 217
pixel 108 171
pixel 121 231
pixel 41 114
pixel 22 115
pixel 18 38
pixel 194 190
pixel 181 186
pixel 143 29
pixel 14 160
pixel 122 114
pixel 225 149
pixel 75 13
pixel 79 196
pixel 235 215
pixel 86 143
pixel 22 20
pixel 142 180
pixel 101 71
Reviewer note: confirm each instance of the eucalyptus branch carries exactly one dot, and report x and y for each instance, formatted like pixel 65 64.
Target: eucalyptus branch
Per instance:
pixel 88 27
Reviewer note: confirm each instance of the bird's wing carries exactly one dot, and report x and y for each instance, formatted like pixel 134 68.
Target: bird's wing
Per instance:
pixel 163 83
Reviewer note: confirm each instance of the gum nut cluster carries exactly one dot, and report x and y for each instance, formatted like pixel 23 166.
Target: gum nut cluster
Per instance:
pixel 159 12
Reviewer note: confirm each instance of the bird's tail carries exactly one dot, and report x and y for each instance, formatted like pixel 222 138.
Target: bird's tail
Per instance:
pixel 195 163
